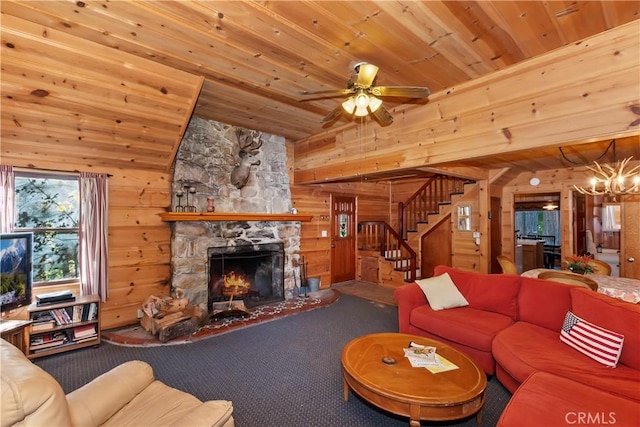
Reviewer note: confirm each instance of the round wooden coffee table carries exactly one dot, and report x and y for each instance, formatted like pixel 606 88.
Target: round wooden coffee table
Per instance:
pixel 412 392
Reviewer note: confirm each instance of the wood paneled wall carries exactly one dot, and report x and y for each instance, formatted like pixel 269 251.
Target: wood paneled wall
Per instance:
pixel 373 204
pixel 139 242
pixel 559 180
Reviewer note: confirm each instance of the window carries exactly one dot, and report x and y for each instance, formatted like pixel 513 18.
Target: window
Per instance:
pixel 48 206
pixel 538 223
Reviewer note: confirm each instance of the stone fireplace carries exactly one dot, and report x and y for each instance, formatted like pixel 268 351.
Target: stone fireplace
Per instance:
pixel 204 162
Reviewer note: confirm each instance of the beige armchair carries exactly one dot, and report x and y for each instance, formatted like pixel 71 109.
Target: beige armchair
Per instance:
pixel 128 395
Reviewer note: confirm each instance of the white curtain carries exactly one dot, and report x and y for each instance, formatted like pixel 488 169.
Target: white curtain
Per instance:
pixel 94 275
pixel 7 192
pixel 611 218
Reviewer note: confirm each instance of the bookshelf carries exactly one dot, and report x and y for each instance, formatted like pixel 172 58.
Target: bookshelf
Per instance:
pixel 56 328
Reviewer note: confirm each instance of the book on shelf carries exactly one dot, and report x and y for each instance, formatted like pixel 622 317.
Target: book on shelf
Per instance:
pixel 93 311
pixel 87 339
pixel 46 345
pixel 85 331
pixel 43 349
pixel 47 340
pixel 43 326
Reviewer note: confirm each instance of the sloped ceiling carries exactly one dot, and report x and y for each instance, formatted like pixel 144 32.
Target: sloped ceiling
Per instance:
pixel 114 83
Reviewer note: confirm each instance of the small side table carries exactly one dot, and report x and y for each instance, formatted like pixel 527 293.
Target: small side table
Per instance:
pixel 14 331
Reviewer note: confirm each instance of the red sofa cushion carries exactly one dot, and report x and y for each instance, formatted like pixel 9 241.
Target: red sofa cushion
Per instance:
pixel 619 316
pixel 465 325
pixel 549 400
pixel 513 351
pixel 491 292
pixel 543 302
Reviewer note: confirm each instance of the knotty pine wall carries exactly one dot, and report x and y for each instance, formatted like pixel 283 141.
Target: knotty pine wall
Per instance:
pixel 372 205
pixel 559 181
pixel 139 242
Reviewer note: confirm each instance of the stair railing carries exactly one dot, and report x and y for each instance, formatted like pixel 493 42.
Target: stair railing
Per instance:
pixel 427 200
pixel 381 237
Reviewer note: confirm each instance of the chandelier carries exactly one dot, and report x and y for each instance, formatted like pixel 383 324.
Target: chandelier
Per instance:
pixel 613 180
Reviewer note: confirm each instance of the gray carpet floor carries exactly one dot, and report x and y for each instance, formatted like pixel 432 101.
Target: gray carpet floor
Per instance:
pixel 284 373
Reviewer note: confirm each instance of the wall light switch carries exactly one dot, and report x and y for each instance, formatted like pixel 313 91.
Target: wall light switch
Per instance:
pixel 323 233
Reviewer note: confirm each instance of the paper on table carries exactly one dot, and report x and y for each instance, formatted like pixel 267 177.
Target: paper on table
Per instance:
pixel 444 366
pixel 421 356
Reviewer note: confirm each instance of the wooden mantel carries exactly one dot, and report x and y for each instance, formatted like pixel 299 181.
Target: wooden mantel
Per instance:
pixel 233 216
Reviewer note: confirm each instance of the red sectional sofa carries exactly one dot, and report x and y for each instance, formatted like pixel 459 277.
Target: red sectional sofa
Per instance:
pixel 511 328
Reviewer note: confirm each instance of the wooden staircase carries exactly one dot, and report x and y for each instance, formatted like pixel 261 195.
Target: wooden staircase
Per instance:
pixel 397 260
pixel 398 251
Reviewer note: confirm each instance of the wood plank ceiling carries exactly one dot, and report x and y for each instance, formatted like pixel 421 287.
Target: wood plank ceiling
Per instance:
pixel 257 59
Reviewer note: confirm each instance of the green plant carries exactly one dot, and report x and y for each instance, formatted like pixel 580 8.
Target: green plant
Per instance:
pixel 579 264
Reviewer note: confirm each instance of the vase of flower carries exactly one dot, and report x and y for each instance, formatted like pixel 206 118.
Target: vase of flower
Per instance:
pixel 579 264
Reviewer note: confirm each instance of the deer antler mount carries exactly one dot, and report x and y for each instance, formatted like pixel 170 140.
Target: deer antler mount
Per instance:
pixel 250 142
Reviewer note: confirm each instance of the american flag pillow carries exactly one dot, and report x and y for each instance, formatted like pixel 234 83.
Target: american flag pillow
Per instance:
pixel 602 345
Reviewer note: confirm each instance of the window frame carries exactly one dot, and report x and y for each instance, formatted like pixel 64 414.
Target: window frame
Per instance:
pixel 49 175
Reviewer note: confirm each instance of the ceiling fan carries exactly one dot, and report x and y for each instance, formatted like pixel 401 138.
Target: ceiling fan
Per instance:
pixel 363 96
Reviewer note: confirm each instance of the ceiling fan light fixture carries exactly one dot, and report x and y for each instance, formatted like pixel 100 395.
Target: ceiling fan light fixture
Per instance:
pixel 362 100
pixel 361 104
pixel 374 104
pixel 349 105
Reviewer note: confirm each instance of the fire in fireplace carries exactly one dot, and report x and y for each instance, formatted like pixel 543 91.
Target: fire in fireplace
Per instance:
pixel 251 273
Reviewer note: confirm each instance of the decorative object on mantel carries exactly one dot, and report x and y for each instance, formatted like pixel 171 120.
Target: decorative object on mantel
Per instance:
pixel 180 194
pixel 612 180
pixel 233 216
pixel 579 264
pixel 210 205
pixel 250 142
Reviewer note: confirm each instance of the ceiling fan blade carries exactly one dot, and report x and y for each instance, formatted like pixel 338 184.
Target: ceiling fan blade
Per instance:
pixel 366 75
pixel 383 116
pixel 325 94
pixel 401 91
pixel 333 115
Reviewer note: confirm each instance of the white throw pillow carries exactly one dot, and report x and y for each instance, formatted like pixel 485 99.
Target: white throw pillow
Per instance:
pixel 441 292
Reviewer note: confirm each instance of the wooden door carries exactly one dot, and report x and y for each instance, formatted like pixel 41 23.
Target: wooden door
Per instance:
pixel 343 238
pixel 579 224
pixel 630 237
pixel 496 235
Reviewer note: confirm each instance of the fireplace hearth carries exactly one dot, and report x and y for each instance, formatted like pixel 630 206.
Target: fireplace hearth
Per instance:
pixel 252 273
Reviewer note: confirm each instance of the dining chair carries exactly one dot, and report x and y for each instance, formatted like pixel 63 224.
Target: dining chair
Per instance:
pixel 600 267
pixel 508 266
pixel 569 279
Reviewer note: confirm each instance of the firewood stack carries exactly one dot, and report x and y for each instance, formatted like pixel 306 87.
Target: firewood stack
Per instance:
pixel 169 318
